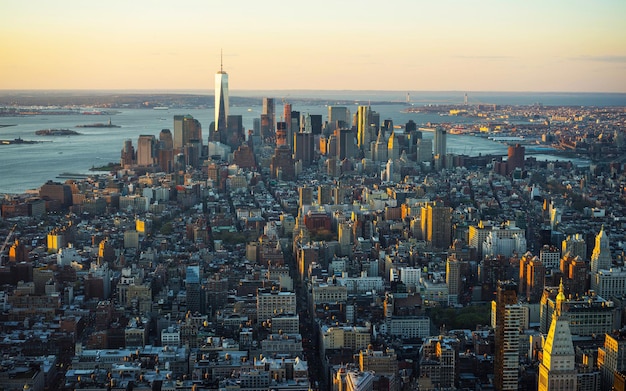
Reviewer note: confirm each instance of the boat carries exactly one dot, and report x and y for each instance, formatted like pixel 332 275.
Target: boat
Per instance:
pixel 160 108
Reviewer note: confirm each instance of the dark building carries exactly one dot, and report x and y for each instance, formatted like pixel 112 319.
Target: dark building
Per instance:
pixel 282 164
pixel 186 130
pixel 235 134
pixel 244 157
pixel 303 148
pixel 346 144
pixel 316 123
pixel 515 158
pixel 58 192
pixel 506 361
pixel 165 151
pixel 127 158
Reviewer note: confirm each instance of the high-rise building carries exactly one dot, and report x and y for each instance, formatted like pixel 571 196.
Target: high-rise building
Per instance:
pixel 437 225
pixel 186 131
pixel 508 320
pixel 146 150
pixel 424 150
pixel 557 371
pixel 287 115
pixel 305 196
pixel 165 156
pixel 324 195
pixel 601 256
pixel 269 111
pixel 338 113
pixel 515 158
pixel 193 288
pixel 440 142
pixel 127 158
pixel 453 278
pixel 221 103
pixel 576 274
pixel 612 357
pixel 303 148
pixel 363 124
pixel 235 134
pixel 281 134
pixel 393 146
pixel 346 147
pixel 575 245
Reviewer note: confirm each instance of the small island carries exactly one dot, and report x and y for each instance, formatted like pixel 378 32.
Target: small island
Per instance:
pixel 56 132
pixel 99 125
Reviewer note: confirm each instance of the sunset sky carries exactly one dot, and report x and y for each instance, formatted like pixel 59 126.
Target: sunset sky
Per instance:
pixel 555 45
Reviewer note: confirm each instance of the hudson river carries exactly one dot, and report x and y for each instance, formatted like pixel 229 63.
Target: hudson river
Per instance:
pixel 28 166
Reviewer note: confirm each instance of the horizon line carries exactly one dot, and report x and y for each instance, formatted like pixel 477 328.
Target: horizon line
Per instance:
pixel 208 92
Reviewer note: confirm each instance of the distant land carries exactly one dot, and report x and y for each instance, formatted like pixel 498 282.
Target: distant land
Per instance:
pixel 249 98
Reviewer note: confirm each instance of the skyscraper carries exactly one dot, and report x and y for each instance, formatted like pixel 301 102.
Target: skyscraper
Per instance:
pixel 186 130
pixel 269 110
pixel 221 101
pixel 440 142
pixel 508 321
pixel 515 158
pixel 557 371
pixel 437 225
pixel 338 113
pixel 363 123
pixel 166 150
pixel 146 150
pixel 601 256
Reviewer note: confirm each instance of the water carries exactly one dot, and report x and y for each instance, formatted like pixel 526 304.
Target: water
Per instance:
pixel 28 166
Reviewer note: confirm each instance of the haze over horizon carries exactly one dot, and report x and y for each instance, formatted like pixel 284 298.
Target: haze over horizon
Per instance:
pixel 532 46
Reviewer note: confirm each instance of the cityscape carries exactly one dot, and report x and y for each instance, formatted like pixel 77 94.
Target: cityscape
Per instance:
pixel 326 251
pixel 327 196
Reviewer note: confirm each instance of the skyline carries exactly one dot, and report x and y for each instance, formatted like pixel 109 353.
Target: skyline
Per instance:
pixel 572 46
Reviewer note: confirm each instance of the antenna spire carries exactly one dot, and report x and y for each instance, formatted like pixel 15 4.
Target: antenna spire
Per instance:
pixel 221 60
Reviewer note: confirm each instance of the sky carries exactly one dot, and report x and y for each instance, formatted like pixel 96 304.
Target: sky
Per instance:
pixel 396 45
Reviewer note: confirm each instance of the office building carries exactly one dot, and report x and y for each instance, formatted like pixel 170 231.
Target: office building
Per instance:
pixel 609 283
pixel 187 130
pixel 345 144
pixel 269 112
pixel 363 125
pixel 338 117
pixel 235 133
pixel 557 371
pixel 165 157
pixel 146 145
pixel 127 158
pixel 440 142
pixel 303 148
pixel 515 158
pixel 193 289
pixel 575 273
pixel 221 104
pixel 424 150
pixel 393 146
pixel 575 245
pixel 588 315
pixel 437 225
pixel 287 115
pixel 612 357
pixel 270 303
pixel 601 256
pixel 508 319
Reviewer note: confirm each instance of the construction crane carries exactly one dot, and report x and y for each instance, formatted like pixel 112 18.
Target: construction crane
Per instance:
pixel 6 242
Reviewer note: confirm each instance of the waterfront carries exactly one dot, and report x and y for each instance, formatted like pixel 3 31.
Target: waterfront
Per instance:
pixel 28 166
